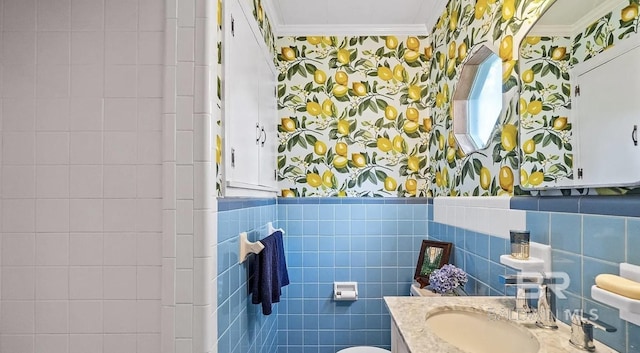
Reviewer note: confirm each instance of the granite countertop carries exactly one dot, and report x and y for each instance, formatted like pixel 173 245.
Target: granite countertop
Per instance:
pixel 409 315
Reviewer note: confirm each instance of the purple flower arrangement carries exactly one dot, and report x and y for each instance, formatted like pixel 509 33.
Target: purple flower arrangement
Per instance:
pixel 445 279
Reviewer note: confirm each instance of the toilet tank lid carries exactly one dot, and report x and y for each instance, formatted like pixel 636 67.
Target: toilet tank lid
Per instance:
pixel 363 349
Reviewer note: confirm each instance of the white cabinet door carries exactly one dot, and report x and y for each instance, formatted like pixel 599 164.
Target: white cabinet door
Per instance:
pixel 608 113
pixel 250 106
pixel 397 342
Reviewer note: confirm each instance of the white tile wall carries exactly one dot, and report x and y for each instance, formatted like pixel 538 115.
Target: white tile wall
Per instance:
pixel 489 215
pixel 81 176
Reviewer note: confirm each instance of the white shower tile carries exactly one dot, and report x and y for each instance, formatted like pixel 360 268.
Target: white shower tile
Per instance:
pixel 184 113
pixel 148 312
pixel 52 249
pixel 58 15
pixel 18 283
pixel 86 181
pixel 86 215
pixel 151 15
pixel 168 233
pixel 184 252
pixel 87 15
pixel 119 181
pixel 150 48
pixel 186 43
pixel 185 184
pixel 184 78
pixel 52 316
pixel 52 148
pixel 19 48
pixel 120 249
pixel 17 343
pixel 85 283
pixel 121 114
pixel 120 343
pixel 184 286
pixel 52 343
pixel 18 215
pixel 169 138
pixel 149 282
pixel 121 48
pixel 149 249
pixel 121 15
pixel 87 48
pixel 86 316
pixel 120 282
pixel 85 148
pixel 202 274
pixel 184 217
pixel 150 81
pixel 203 48
pixel 18 249
pixel 19 148
pixel 171 43
pixel 168 281
pixel 120 215
pixel 17 317
pixel 53 48
pixel 18 115
pixel 54 81
pixel 150 147
pixel 148 343
pixel 85 114
pixel 85 343
pixel 87 81
pixel 120 81
pixel 19 81
pixel 149 215
pixel 186 13
pixel 18 182
pixel 86 249
pixel 149 114
pixel 120 316
pixel 52 215
pixel 19 15
pixel 202 87
pixel 184 147
pixel 149 181
pixel 120 147
pixel 52 283
pixel 52 114
pixel 184 320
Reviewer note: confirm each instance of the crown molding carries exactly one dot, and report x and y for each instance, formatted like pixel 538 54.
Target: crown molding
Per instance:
pixel 604 8
pixel 552 31
pixel 350 30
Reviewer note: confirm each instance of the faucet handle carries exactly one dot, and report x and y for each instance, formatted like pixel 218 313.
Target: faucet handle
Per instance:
pixel 582 331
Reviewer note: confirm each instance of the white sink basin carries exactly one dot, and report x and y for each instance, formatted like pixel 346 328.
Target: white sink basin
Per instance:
pixel 477 331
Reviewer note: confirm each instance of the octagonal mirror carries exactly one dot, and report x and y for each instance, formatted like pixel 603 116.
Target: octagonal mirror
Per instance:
pixel 477 101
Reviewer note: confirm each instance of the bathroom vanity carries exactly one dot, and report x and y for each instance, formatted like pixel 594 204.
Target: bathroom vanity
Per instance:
pixel 418 325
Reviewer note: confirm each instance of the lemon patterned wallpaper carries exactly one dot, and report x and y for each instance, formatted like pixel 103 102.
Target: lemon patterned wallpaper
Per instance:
pixel 354 116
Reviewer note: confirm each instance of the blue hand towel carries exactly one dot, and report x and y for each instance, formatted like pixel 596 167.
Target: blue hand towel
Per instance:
pixel 269 273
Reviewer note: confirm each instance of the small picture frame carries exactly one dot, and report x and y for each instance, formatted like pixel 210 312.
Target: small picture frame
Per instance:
pixel 433 255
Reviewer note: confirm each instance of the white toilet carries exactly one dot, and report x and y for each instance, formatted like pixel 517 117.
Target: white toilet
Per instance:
pixel 363 349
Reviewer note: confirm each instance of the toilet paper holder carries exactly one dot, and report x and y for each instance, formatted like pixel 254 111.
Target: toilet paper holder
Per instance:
pixel 345 291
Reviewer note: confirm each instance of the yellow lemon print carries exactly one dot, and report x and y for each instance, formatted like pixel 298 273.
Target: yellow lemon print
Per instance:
pixel 314 108
pixel 359 89
pixel 451 155
pixel 342 78
pixel 320 77
pixel 391 42
pixel 441 142
pixel 411 185
pixel 528 76
pixel 413 163
pixel 344 56
pixel 524 177
pixel 481 8
pixel 314 40
pixel 507 69
pixel 339 90
pixel 287 193
pixel 385 73
pixel 341 148
pixel 534 107
pixel 485 178
pixel 413 43
pixel 558 53
pixel 451 139
pixel 390 184
pixel 411 56
pixel 398 144
pixel 390 112
pixel 358 160
pixel 288 124
pixel 410 127
pixel 314 180
pixel 427 124
pixel 412 114
pixel 327 178
pixel 428 52
pixel 398 72
pixel 288 54
pixel 506 48
pixel 320 148
pixel 508 137
pixel 532 40
pixel 340 162
pixel 384 144
pixel 536 178
pixel 506 179
pixel 415 93
pixel 218 149
pixel 438 178
pixel 453 21
pixel 344 127
pixel 508 9
pixel 452 50
pixel 462 51
pixel 629 13
pixel 560 123
pixel 529 146
pixel 327 107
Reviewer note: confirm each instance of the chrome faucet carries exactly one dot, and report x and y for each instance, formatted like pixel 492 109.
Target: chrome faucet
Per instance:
pixel 582 332
pixel 545 317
